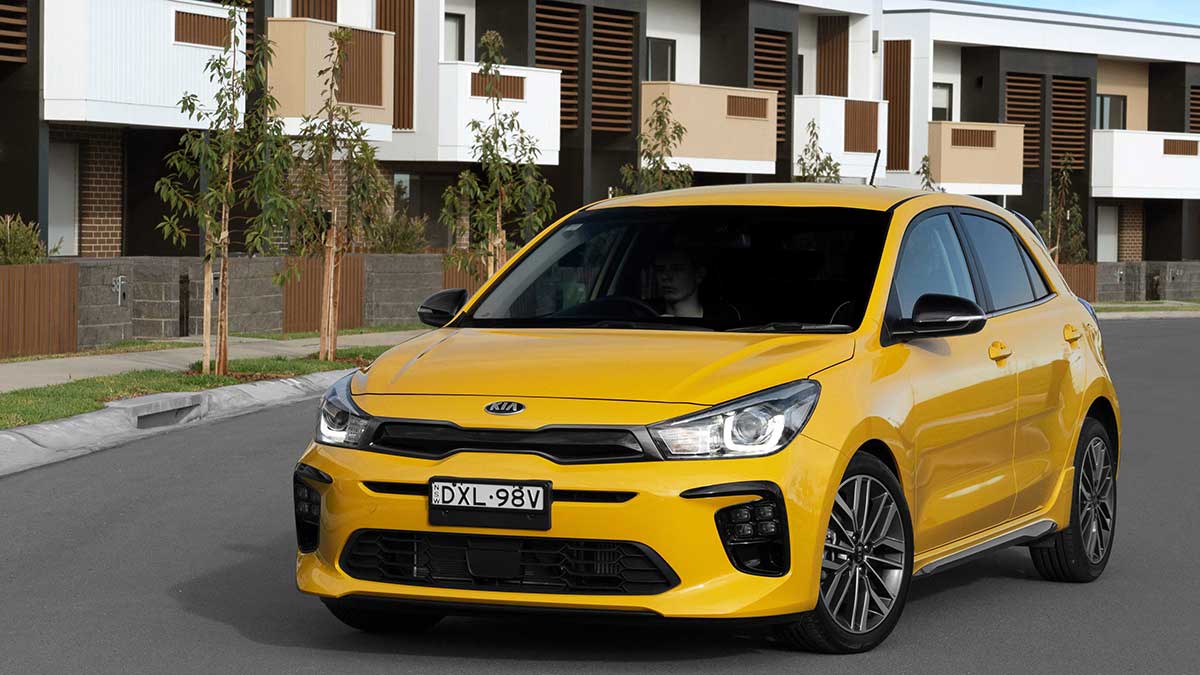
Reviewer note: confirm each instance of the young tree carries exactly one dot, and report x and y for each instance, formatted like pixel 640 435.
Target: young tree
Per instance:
pixel 509 195
pixel 237 163
pixel 814 164
pixel 656 146
pixel 332 148
pixel 926 174
pixel 1061 223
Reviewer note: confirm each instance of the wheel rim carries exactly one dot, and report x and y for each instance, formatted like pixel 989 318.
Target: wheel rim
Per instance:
pixel 1097 500
pixel 862 567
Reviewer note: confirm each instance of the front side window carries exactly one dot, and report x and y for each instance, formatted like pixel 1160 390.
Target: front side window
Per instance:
pixel 660 67
pixel 931 261
pixel 1109 112
pixel 1000 261
pixel 695 268
pixel 943 102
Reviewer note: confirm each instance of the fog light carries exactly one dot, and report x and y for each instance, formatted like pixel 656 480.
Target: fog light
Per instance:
pixel 755 536
pixel 307 507
pixel 740 515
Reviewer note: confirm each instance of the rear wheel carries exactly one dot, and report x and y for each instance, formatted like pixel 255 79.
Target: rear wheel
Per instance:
pixel 381 621
pixel 866 565
pixel 1080 552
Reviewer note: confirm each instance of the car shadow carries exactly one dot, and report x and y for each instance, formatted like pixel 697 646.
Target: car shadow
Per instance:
pixel 257 597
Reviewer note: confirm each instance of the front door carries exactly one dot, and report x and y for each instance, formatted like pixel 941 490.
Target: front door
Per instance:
pixel 62 232
pixel 964 390
pixel 1106 233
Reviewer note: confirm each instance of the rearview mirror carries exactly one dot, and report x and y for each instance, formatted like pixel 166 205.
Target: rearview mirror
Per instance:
pixel 937 315
pixel 439 308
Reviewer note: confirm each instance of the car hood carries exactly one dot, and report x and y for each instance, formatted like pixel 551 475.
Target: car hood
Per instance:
pixel 622 365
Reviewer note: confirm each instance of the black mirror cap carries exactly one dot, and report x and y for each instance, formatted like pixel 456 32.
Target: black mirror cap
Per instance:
pixel 438 309
pixel 938 315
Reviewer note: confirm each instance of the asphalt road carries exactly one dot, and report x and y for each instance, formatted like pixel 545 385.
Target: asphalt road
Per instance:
pixel 176 553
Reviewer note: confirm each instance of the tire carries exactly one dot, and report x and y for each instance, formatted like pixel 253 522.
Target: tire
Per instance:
pixel 381 621
pixel 1079 553
pixel 829 628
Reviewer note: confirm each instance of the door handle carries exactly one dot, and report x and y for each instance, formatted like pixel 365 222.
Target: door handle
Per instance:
pixel 1071 333
pixel 999 351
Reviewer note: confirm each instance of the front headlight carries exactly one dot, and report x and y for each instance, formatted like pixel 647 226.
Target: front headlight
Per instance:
pixel 340 422
pixel 751 426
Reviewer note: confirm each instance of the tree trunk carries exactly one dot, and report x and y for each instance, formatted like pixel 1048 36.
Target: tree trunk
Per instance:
pixel 327 269
pixel 223 294
pixel 334 300
pixel 208 298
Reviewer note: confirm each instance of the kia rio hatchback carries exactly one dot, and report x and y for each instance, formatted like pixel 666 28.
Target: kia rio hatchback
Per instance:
pixel 773 404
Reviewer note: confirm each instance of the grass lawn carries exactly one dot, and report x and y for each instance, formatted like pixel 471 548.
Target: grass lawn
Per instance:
pixel 391 328
pixel 41 404
pixel 122 347
pixel 1148 307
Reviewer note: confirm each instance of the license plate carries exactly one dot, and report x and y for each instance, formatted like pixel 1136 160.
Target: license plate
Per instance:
pixel 477 502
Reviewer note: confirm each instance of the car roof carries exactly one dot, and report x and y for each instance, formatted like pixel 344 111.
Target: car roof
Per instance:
pixel 773 194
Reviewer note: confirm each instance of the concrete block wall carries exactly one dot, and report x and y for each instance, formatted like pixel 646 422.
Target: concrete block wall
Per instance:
pixel 154 296
pixel 1173 280
pixel 396 285
pixel 104 317
pixel 255 301
pixel 1120 281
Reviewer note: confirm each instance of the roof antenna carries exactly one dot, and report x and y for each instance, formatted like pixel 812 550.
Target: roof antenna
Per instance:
pixel 875 168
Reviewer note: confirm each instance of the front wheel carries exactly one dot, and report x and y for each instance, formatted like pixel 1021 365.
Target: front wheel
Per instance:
pixel 866 565
pixel 1080 552
pixel 381 621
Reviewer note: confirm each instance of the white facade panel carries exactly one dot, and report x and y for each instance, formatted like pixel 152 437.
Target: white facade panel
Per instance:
pixel 467 9
pixel 1132 164
pixel 357 13
pixel 947 68
pixel 830 115
pixel 117 62
pixel 678 20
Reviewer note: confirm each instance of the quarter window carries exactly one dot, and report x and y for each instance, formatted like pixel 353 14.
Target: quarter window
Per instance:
pixel 932 262
pixel 1000 260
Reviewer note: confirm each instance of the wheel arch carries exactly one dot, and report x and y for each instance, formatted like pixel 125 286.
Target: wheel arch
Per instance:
pixel 1103 411
pixel 883 452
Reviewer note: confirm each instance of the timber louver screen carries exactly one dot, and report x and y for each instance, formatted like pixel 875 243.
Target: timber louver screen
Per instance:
pixel 362 71
pixel 897 88
pixel 746 106
pixel 1068 121
pixel 833 55
pixel 1174 146
pixel 1194 111
pixel 612 70
pixel 14 31
pixel 322 10
pixel 556 45
pixel 397 16
pixel 973 138
pixel 507 86
pixel 861 126
pixel 1023 105
pixel 200 29
pixel 771 72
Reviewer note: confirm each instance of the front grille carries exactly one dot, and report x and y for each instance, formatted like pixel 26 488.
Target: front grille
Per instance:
pixel 432 440
pixel 525 564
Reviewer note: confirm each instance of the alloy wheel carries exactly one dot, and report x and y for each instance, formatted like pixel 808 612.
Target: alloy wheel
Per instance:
pixel 862 568
pixel 1097 500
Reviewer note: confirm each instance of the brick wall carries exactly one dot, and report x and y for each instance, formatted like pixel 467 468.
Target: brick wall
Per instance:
pixel 101 186
pixel 1131 230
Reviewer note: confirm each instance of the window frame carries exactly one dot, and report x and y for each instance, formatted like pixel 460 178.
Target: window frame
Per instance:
pixel 990 308
pixel 949 100
pixel 650 58
pixel 461 19
pixel 1099 109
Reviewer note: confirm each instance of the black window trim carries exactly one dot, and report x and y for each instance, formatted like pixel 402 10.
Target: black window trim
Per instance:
pixel 990 307
pixel 650 40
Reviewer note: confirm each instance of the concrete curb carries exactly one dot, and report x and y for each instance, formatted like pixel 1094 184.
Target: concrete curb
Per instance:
pixel 1183 314
pixel 120 422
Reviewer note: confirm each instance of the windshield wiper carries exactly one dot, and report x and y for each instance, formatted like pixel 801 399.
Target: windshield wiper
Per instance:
pixel 793 327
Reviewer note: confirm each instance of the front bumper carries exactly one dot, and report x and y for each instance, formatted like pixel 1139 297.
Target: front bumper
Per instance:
pixel 682 531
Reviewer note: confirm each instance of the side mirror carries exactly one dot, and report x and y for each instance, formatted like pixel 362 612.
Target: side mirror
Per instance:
pixel 937 315
pixel 439 308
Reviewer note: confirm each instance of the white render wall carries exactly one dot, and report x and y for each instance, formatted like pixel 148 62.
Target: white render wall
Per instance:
pixel 117 62
pixel 538 111
pixel 678 20
pixel 467 9
pixel 1131 164
pixel 947 67
pixel 806 46
pixel 358 13
pixel 830 114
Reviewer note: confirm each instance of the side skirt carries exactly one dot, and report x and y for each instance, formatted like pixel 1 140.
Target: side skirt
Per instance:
pixel 1022 535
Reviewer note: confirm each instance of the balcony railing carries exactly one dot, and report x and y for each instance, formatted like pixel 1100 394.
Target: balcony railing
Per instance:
pixel 1145 164
pixel 368 73
pixel 851 130
pixel 533 93
pixel 977 158
pixel 729 129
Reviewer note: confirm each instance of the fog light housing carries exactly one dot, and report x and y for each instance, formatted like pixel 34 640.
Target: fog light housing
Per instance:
pixel 755 536
pixel 307 506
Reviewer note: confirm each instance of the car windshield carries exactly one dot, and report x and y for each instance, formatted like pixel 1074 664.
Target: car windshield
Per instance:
pixel 726 268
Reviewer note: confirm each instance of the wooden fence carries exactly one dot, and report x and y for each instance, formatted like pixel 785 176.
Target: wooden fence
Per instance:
pixel 302 295
pixel 1081 277
pixel 39 309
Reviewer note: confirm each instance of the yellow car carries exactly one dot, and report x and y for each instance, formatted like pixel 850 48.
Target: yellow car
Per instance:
pixel 769 404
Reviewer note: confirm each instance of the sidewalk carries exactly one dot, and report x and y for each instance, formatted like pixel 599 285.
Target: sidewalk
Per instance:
pixel 26 374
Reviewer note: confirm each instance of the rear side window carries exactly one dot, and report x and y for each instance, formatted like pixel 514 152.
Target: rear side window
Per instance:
pixel 931 261
pixel 1002 262
pixel 1040 290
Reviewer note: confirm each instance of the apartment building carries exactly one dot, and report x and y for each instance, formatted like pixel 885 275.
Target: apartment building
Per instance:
pixel 995 96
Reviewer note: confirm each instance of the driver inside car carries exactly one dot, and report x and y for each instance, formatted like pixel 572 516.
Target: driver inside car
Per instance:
pixel 679 277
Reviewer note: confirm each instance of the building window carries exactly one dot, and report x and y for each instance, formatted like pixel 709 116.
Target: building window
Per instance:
pixel 455 30
pixel 660 66
pixel 403 200
pixel 1110 112
pixel 943 102
pixel 799 78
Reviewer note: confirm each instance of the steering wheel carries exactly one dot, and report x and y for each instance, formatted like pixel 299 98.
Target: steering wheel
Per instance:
pixel 616 307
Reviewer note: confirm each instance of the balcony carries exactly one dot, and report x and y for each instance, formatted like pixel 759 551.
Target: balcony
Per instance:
pixel 977 158
pixel 729 129
pixel 532 93
pixel 850 130
pixel 1145 164
pixel 368 77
